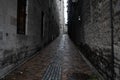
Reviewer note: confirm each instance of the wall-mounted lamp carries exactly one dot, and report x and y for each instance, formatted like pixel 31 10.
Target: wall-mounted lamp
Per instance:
pixel 79 18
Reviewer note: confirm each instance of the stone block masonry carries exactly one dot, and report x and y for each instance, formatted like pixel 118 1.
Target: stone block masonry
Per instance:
pixel 93 33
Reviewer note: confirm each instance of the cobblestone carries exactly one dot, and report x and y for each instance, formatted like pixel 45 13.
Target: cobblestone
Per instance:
pixel 61 54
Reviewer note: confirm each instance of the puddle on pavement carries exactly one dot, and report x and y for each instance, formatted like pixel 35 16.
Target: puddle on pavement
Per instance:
pixel 82 76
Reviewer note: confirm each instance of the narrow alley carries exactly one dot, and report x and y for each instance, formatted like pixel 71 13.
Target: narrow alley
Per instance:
pixel 60 60
pixel 59 39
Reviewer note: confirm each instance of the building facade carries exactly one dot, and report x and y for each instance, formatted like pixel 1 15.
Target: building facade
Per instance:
pixel 94 26
pixel 26 26
pixel 61 13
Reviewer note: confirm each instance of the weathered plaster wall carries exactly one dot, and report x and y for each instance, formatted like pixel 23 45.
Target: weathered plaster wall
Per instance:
pixel 15 48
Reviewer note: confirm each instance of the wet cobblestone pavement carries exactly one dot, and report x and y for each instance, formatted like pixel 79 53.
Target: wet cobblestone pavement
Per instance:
pixel 58 61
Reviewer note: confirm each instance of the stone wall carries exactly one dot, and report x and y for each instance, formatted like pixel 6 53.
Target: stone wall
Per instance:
pixel 94 28
pixel 116 21
pixel 16 48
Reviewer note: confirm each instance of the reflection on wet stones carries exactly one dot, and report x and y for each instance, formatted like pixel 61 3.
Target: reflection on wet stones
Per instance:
pixel 60 60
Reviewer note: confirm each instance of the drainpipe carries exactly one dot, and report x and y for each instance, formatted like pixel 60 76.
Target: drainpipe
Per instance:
pixel 112 41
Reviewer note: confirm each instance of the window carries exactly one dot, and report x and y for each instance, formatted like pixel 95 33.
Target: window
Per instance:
pixel 21 17
pixel 42 25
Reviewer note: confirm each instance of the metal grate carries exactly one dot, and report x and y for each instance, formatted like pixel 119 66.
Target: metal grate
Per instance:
pixel 53 72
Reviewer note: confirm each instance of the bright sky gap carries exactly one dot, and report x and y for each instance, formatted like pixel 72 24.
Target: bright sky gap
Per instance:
pixel 65 10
